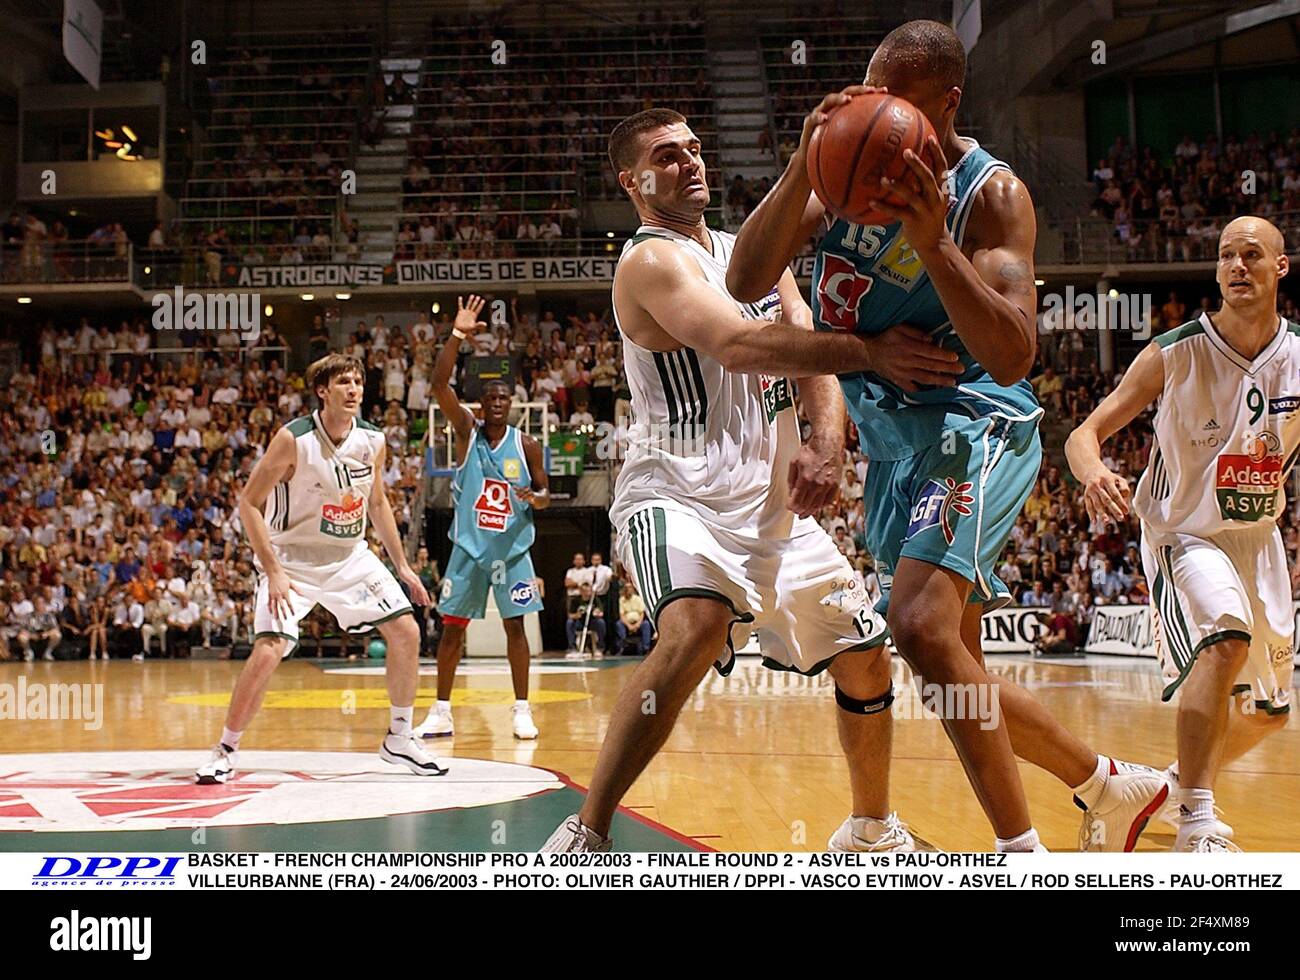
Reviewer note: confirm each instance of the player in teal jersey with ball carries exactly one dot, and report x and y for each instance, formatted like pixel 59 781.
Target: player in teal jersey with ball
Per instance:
pixel 500 480
pixel 946 286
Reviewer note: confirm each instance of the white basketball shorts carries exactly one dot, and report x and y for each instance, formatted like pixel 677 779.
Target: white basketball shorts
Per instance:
pixel 358 590
pixel 799 593
pixel 1235 584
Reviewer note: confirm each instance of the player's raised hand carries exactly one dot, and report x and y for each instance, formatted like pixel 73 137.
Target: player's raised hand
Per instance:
pixel 419 594
pixel 906 356
pixel 814 479
pixel 824 108
pixel 278 588
pixel 467 312
pixel 1106 496
pixel 924 212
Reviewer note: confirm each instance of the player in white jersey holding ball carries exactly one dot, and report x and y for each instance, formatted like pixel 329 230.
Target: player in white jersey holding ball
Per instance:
pixel 1227 432
pixel 713 504
pixel 305 510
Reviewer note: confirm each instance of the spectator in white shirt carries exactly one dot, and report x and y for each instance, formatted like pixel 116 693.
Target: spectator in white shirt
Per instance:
pixel 578 575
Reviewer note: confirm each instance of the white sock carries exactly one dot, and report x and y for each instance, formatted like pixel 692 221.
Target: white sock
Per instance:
pixel 521 703
pixel 443 707
pixel 1027 841
pixel 1090 790
pixel 399 720
pixel 230 739
pixel 1173 770
pixel 1196 807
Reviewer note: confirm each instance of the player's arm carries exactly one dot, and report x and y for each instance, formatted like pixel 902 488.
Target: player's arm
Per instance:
pixel 989 297
pixel 538 496
pixel 465 324
pixel 385 525
pixel 776 230
pixel 666 284
pixel 1105 494
pixel 814 476
pixel 274 467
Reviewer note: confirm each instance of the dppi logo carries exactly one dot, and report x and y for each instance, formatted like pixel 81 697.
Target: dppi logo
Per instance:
pixel 521 593
pixel 939 504
pixel 66 871
pixel 492 508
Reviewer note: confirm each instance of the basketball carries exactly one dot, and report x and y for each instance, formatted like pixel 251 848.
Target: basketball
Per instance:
pixel 862 141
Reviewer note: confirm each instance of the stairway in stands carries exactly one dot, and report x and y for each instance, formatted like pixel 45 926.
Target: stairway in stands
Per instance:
pixel 740 95
pixel 377 204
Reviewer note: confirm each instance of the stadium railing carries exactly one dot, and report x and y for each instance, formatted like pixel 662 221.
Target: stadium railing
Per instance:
pixel 82 260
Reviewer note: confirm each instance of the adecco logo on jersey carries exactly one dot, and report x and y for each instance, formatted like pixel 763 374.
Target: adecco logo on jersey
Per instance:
pixel 70 872
pixel 108 791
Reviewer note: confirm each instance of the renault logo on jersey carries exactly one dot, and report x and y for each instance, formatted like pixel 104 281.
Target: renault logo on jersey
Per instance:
pixel 511 468
pixel 899 264
pixel 492 509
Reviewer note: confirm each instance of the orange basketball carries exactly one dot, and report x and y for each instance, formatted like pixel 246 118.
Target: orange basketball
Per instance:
pixel 860 142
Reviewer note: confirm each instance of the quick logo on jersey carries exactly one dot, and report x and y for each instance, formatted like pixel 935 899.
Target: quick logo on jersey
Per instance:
pixel 899 264
pixel 344 520
pixel 776 395
pixel 492 509
pixel 938 505
pixel 1246 484
pixel 839 291
pixel 521 593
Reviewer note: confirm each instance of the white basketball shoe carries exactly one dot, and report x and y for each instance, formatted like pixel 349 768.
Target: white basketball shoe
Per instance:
pixel 1131 796
pixel 869 834
pixel 219 767
pixel 407 751
pixel 571 837
pixel 438 723
pixel 522 722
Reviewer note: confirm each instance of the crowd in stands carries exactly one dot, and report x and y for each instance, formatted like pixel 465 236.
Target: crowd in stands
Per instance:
pixel 121 462
pixel 499 160
pixel 1172 206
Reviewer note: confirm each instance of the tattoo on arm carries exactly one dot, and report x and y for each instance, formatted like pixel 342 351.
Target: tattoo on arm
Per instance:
pixel 1018 277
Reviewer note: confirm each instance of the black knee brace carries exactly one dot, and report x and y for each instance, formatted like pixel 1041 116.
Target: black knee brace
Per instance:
pixel 855 707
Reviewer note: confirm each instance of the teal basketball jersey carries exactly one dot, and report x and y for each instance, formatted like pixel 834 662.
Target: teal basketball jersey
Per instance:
pixel 867 278
pixel 491 523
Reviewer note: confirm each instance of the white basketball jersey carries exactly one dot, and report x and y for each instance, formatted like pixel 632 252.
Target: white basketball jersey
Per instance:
pixel 1227 431
pixel 322 507
pixel 701 437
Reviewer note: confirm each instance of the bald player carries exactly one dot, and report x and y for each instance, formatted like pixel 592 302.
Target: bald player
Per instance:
pixel 1227 432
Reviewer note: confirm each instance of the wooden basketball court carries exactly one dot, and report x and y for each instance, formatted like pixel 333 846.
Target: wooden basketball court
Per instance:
pixel 754 763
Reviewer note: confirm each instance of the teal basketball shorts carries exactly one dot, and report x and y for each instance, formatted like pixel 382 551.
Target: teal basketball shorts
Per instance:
pixel 468 579
pixel 953 504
